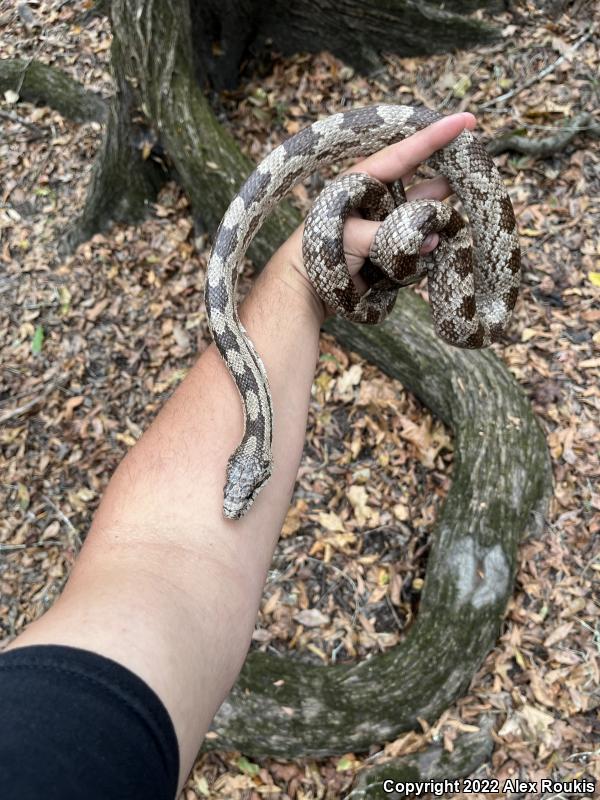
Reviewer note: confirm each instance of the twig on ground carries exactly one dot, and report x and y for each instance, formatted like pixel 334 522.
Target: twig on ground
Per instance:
pixel 14 118
pixel 16 412
pixel 63 517
pixel 541 75
pixel 9 548
pixel 26 66
pixel 394 614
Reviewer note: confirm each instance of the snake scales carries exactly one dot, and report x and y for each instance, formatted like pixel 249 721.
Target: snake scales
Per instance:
pixel 472 287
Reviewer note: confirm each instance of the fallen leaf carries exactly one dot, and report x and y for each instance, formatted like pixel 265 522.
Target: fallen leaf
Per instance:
pixel 201 786
pixel 71 404
pixel 527 334
pixel 293 518
pixel 530 232
pixel 37 341
pixel 311 618
pixel 331 521
pixel 347 762
pixel 401 512
pixel 594 278
pixel 347 381
pixel 536 720
pixel 341 541
pixel 461 87
pixel 540 690
pixel 358 497
pixel 558 634
pixel 23 496
pixel 247 767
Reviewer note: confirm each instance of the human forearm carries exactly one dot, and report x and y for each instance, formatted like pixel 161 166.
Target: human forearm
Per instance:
pixel 176 472
pixel 159 545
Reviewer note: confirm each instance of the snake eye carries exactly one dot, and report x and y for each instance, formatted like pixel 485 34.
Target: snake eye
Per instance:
pixel 246 475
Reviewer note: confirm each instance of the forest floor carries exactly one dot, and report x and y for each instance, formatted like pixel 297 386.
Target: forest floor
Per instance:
pixel 93 344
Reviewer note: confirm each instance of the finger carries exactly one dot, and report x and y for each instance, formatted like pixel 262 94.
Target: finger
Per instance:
pixel 358 238
pixel 434 189
pixel 403 157
pixel 430 242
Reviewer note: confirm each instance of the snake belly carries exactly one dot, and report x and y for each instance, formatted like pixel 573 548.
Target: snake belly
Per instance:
pixel 471 174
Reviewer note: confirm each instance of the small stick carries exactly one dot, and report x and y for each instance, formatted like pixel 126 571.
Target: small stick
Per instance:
pixel 541 75
pixel 62 516
pixel 9 548
pixel 14 118
pixel 16 412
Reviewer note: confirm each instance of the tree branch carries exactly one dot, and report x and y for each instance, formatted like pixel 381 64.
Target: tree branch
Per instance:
pixel 500 488
pixel 546 145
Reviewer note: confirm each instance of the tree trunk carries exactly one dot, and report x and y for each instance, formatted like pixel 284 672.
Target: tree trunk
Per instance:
pixel 501 477
pixel 226 32
pixel 126 177
pixel 153 67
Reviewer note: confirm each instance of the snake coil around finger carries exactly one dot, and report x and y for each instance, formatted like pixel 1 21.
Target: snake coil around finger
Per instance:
pixel 471 300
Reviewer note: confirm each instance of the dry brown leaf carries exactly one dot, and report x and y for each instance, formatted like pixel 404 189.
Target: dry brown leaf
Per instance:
pixel 559 633
pixel 311 618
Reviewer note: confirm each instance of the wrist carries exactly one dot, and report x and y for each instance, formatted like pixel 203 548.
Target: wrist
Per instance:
pixel 287 267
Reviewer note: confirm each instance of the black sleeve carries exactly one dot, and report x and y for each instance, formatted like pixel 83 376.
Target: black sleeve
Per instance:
pixel 77 726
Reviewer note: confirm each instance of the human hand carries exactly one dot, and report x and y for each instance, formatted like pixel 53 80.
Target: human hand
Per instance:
pixel 397 161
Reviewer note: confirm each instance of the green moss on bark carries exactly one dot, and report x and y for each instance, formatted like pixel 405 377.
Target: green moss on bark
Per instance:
pixel 433 764
pixel 40 83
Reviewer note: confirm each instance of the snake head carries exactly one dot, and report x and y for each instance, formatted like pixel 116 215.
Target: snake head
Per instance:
pixel 246 475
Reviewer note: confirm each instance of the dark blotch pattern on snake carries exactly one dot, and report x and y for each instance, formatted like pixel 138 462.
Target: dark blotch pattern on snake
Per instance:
pixel 473 275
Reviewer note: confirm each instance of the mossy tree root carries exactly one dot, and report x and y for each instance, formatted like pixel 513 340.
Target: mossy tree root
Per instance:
pixel 158 101
pixel 123 181
pixel 434 764
pixel 41 83
pixel 357 31
pixel 167 50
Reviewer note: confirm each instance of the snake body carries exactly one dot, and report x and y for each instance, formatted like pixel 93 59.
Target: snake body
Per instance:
pixel 472 287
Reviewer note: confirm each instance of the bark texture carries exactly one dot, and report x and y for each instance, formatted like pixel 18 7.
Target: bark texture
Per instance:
pixel 168 52
pixel 154 73
pixel 500 487
pixel 227 31
pixel 434 764
pixel 545 145
pixel 125 176
pixel 39 83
